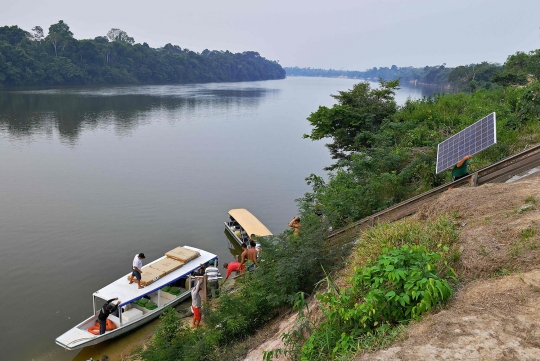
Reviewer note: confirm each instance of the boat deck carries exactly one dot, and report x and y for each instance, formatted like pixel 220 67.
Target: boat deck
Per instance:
pixel 128 293
pixel 133 315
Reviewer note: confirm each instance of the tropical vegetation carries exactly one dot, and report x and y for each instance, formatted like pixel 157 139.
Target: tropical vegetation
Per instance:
pixel 383 154
pixel 517 70
pixel 31 58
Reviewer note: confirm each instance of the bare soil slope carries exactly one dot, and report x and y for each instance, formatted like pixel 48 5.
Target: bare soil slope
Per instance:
pixel 497 319
pixel 494 315
pixel 499 226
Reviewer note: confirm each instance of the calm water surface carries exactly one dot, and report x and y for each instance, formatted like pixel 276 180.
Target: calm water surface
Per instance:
pixel 91 176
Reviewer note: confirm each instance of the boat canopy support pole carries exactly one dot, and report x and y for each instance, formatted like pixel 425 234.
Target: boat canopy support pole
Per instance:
pixel 94 303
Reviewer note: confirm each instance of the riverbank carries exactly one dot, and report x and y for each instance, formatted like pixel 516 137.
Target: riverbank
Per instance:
pixel 106 172
pixel 491 316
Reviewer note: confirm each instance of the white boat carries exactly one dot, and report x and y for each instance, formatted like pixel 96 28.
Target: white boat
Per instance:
pixel 242 224
pixel 133 315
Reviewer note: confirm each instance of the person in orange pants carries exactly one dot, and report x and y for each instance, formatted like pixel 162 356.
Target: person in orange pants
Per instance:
pixel 196 303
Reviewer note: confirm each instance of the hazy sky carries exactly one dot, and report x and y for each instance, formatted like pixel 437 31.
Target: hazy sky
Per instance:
pixel 348 34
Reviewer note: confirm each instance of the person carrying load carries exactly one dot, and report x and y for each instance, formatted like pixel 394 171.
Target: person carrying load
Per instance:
pixel 136 269
pixel 196 303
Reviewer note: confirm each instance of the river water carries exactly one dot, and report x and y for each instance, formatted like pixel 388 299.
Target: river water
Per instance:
pixel 91 176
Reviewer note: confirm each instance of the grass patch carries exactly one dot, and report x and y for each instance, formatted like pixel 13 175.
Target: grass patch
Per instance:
pixel 527 233
pixel 429 234
pixel 531 200
pixel 483 250
pixel 502 272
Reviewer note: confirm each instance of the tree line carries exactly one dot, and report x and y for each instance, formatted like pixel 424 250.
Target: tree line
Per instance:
pixel 31 58
pixel 518 69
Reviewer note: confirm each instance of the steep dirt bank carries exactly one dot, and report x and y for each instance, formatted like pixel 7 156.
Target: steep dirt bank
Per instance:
pixel 494 315
pixel 496 319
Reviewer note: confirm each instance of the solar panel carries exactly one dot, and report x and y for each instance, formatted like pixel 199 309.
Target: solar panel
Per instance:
pixel 469 141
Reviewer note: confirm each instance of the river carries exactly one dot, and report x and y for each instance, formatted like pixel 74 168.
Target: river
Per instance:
pixel 92 175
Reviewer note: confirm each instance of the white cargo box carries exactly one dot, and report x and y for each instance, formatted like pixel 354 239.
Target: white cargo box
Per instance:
pixel 131 315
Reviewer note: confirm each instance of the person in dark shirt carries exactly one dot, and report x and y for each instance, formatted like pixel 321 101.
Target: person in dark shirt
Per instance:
pixel 460 169
pixel 105 311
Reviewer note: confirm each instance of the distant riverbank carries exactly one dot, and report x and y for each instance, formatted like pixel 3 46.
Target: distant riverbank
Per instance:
pixel 29 59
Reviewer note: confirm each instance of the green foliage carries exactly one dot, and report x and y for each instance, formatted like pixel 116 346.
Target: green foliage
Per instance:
pixel 400 160
pixel 352 122
pixel 401 285
pixel 437 75
pixel 60 59
pixel 531 200
pixel 507 78
pixel 474 76
pixel 290 268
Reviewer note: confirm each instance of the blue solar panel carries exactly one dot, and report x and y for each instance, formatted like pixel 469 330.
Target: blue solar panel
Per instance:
pixel 469 141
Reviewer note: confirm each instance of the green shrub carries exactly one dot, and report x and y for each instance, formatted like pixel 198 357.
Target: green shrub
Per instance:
pixel 401 285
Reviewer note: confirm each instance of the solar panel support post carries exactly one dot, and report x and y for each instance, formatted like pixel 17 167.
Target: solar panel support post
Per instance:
pixel 474 179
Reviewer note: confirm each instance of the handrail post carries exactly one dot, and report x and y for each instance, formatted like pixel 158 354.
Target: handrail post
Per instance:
pixel 474 179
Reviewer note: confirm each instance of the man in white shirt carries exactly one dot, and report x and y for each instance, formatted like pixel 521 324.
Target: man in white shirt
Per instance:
pixel 196 303
pixel 212 279
pixel 137 269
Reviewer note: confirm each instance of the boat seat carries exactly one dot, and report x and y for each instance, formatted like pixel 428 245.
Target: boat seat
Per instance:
pixel 131 315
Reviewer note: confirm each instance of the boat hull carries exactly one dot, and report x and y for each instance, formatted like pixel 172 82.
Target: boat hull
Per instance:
pixel 231 232
pixel 94 340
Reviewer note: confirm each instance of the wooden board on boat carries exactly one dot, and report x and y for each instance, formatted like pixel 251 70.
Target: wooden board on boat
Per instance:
pixel 167 265
pixel 149 275
pixel 182 254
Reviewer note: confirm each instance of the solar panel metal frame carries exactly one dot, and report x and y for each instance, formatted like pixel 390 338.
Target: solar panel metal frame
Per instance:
pixel 469 141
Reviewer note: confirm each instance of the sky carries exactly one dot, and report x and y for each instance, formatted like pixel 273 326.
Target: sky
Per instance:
pixel 338 34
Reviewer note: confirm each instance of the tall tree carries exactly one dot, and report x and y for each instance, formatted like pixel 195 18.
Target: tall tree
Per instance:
pixel 37 34
pixel 355 119
pixel 119 35
pixel 59 36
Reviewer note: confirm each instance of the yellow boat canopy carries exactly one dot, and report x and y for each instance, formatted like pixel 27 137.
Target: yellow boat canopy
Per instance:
pixel 249 222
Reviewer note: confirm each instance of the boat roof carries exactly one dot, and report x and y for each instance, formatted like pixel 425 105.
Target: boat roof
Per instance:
pixel 127 293
pixel 249 222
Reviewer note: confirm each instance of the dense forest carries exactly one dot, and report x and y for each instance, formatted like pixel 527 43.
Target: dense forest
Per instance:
pixel 31 58
pixel 384 153
pixel 469 78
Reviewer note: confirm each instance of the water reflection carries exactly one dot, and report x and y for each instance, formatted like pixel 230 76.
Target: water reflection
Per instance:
pixel 70 111
pixel 234 247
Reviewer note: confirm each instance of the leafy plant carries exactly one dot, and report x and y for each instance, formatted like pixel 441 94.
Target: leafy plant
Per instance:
pixel 401 285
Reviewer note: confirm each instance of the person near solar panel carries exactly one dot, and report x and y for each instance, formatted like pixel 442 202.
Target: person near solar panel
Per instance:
pixel 460 169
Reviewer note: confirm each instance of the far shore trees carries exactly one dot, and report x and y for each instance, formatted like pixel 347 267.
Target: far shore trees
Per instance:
pixel 30 58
